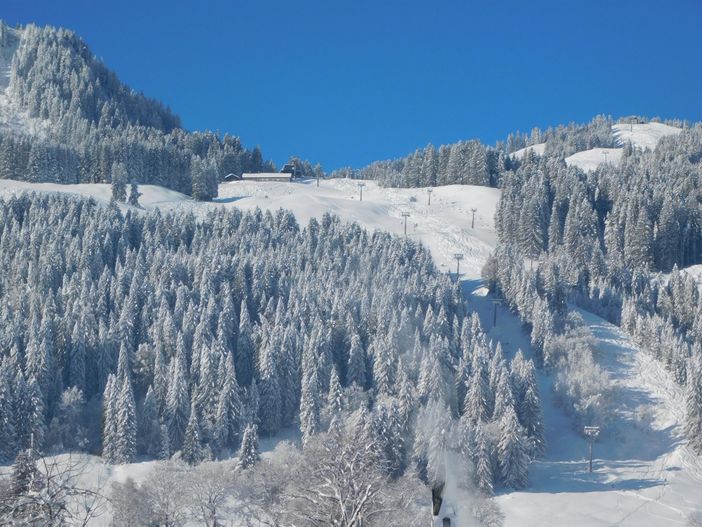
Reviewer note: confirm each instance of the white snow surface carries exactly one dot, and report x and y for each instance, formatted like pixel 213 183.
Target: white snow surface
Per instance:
pixel 643 135
pixel 589 160
pixel 538 149
pixel 644 475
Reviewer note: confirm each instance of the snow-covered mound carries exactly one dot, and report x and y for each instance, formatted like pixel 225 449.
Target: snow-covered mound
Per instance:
pixel 152 195
pixel 643 135
pixel 538 149
pixel 589 160
pixel 695 271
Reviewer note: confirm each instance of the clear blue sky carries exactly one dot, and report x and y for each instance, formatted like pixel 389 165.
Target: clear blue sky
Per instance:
pixel 348 82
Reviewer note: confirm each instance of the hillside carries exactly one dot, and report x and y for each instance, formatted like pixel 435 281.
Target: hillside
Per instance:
pixel 643 473
pixel 65 117
pixel 642 136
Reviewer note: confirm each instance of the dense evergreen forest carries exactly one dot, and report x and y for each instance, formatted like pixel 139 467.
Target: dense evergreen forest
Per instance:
pixel 143 334
pixel 602 240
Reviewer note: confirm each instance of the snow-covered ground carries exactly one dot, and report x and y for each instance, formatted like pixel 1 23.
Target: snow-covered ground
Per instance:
pixel 589 160
pixel 644 475
pixel 538 149
pixel 643 135
pixel 695 271
pixel 153 196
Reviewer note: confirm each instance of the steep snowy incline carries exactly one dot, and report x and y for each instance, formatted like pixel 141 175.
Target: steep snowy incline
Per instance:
pixel 11 117
pixel 644 475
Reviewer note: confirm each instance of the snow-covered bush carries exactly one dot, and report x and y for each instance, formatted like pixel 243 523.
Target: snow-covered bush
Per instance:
pixel 583 388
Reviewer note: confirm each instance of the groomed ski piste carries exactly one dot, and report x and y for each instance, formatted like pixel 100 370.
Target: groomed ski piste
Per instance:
pixel 644 474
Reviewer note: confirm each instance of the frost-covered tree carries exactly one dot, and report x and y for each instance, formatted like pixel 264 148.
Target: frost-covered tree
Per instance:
pixel 248 453
pixel 134 194
pixel 119 182
pixel 512 452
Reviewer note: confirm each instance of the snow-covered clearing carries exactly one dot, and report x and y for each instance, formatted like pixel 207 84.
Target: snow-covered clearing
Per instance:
pixel 644 135
pixel 589 160
pixel 538 149
pixel 153 196
pixel 641 136
pixel 695 271
pixel 644 475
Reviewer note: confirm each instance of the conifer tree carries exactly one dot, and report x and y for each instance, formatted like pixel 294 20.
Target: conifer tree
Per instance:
pixel 693 425
pixel 356 370
pixel 309 404
pixel 512 452
pixel 269 410
pixel 484 476
pixel 248 454
pixel 244 348
pixel 149 426
pixel 177 405
pixel 193 451
pixel 124 415
pixel 134 194
pixel 119 182
pixel 229 409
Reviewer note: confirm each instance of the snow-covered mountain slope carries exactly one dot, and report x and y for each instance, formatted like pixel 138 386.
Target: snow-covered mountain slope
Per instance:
pixel 12 118
pixel 641 136
pixel 153 196
pixel 589 160
pixel 643 475
pixel 644 135
pixel 444 226
pixel 538 149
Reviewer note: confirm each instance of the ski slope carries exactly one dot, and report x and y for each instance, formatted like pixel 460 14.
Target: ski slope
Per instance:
pixel 643 474
pixel 643 136
pixel 589 160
